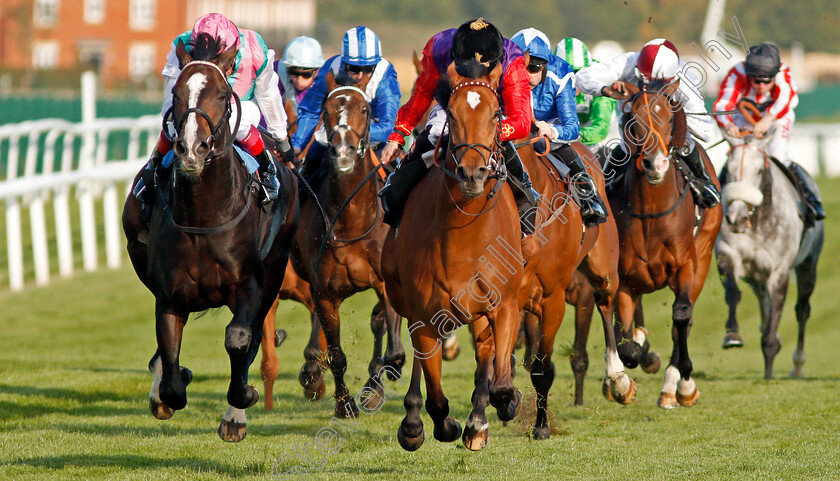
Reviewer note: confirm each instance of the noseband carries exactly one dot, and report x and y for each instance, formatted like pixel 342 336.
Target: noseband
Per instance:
pixel 216 131
pixel 364 139
pixel 488 154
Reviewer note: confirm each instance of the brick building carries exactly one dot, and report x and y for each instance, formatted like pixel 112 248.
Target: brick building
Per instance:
pixel 127 40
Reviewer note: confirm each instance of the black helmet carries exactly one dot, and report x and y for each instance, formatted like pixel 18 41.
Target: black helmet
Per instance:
pixel 477 40
pixel 763 61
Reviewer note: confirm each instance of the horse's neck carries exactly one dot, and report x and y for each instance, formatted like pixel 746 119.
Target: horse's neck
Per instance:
pixel 646 198
pixel 196 202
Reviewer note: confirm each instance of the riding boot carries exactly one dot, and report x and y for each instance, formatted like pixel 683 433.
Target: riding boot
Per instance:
pixel 268 176
pixel 524 194
pixel 592 208
pixel 615 167
pixel 400 183
pixel 145 188
pixel 706 194
pixel 810 199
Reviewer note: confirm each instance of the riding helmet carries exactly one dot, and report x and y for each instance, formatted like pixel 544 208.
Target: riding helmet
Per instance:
pixel 658 60
pixel 360 47
pixel 303 52
pixel 479 40
pixel 573 51
pixel 763 61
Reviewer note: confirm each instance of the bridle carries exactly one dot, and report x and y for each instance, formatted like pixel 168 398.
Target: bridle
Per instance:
pixel 364 139
pixel 491 157
pixel 217 129
pixel 746 145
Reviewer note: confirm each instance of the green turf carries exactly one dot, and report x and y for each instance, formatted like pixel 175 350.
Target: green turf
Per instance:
pixel 73 399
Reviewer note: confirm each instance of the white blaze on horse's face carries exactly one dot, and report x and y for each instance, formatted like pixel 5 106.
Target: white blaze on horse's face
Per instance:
pixel 195 84
pixel 656 168
pixel 473 99
pixel 345 159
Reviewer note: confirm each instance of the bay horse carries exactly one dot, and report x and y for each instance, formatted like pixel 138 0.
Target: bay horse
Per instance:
pixel 338 251
pixel 468 266
pixel 209 243
pixel 656 227
pixel 755 244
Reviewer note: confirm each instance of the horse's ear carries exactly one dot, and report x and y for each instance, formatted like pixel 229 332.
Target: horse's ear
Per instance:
pixel 183 56
pixel 418 65
pixel 495 75
pixel 362 84
pixel 330 79
pixel 670 89
pixel 527 56
pixel 454 78
pixel 227 60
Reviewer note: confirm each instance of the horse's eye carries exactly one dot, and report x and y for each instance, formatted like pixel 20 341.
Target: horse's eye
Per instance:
pixel 365 109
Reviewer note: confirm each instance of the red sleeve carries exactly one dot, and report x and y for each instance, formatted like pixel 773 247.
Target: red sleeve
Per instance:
pixel 732 89
pixel 421 97
pixel 516 92
pixel 783 94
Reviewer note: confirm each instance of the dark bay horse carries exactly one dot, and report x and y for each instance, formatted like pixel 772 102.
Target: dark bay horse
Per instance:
pixel 338 252
pixel 756 244
pixel 656 224
pixel 210 243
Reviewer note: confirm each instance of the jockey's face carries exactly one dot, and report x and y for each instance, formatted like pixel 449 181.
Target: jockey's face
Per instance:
pixel 302 78
pixel 762 85
pixel 535 73
pixel 357 71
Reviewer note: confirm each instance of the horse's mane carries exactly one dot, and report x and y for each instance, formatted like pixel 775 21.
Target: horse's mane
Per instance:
pixel 207 47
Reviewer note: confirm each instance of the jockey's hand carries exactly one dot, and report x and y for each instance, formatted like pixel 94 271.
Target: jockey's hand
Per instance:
pixel 283 150
pixel 544 129
pixel 732 130
pixel 763 125
pixel 617 90
pixel 389 153
pixel 298 159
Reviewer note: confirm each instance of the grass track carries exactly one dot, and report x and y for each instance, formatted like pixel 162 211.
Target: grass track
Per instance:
pixel 73 399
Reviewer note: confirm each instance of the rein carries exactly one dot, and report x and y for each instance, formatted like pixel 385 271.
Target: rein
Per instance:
pixel 206 230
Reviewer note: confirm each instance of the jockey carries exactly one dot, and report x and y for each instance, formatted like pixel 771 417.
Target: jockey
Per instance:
pixel 360 57
pixel 300 63
pixel 475 47
pixel 764 80
pixel 553 100
pixel 657 61
pixel 252 79
pixel 594 113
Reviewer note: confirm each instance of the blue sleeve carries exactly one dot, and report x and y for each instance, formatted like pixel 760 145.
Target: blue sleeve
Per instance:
pixel 568 127
pixel 309 110
pixel 384 107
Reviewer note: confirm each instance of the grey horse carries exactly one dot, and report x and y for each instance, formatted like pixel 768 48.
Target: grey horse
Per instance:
pixel 761 240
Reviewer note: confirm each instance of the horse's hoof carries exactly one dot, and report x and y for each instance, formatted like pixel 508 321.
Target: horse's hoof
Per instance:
pixel 451 349
pixel 450 432
pixel 476 438
pixel 732 339
pixel 159 410
pixel 232 432
pixel 627 397
pixel 630 353
pixel 605 390
pixel 280 335
pixel 689 400
pixel 541 433
pixel 313 383
pixel 511 409
pixel 651 362
pixel 250 397
pixel 372 399
pixel 316 392
pixel 668 400
pixel 409 443
pixel 173 399
pixel 346 409
pixel 796 373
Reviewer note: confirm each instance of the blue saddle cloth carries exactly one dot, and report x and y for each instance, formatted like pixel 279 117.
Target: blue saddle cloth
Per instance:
pixel 248 160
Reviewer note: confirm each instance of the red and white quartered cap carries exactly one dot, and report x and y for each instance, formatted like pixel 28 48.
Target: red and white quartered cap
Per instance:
pixel 658 60
pixel 217 26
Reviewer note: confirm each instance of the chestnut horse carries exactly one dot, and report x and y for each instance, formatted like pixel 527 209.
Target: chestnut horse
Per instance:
pixel 464 239
pixel 338 255
pixel 656 226
pixel 210 243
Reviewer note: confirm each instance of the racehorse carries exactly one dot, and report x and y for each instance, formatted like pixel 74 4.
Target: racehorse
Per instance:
pixel 656 227
pixel 337 250
pixel 762 224
pixel 467 266
pixel 209 243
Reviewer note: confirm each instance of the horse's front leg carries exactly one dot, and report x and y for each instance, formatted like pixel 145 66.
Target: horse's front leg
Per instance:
pixel 679 387
pixel 242 336
pixel 327 312
pixel 733 298
pixel 169 380
pixel 503 395
pixel 628 344
pixel 394 352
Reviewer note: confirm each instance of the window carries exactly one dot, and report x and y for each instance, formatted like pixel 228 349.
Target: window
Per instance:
pixel 141 60
pixel 45 55
pixel 142 14
pixel 94 11
pixel 45 12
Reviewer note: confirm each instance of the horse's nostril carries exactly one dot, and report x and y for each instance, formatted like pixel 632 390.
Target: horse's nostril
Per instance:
pixel 333 150
pixel 202 149
pixel 647 164
pixel 180 147
pixel 461 173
